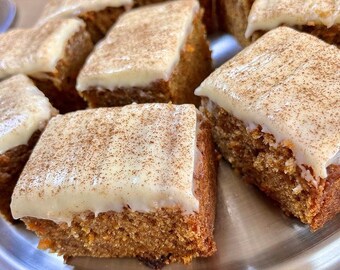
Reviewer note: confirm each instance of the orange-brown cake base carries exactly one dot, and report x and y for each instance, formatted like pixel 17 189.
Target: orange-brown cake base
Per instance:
pixel 195 63
pixel 59 86
pixel 160 237
pixel 330 35
pixel 11 164
pixel 99 22
pixel 274 170
pixel 233 18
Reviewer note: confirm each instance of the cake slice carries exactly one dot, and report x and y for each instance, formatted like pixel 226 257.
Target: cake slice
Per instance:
pixel 24 112
pixel 133 181
pixel 250 19
pixel 276 115
pixel 157 53
pixel 98 15
pixel 51 55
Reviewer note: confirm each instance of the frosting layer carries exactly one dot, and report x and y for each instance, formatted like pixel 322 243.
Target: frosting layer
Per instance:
pixel 143 46
pixel 68 8
pixel 38 49
pixel 289 83
pixel 137 156
pixel 266 15
pixel 23 110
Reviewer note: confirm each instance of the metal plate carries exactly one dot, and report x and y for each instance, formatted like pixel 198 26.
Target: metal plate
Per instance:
pixel 251 232
pixel 7 14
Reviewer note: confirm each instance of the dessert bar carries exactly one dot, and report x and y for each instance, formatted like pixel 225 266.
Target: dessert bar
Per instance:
pixel 133 181
pixel 250 19
pixel 99 15
pixel 276 115
pixel 24 112
pixel 51 55
pixel 156 53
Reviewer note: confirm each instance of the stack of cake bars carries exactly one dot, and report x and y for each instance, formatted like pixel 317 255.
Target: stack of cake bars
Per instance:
pixel 129 167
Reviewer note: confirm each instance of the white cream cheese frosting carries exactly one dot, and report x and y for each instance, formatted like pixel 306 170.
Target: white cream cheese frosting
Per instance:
pixel 23 111
pixel 137 156
pixel 144 46
pixel 36 50
pixel 289 83
pixel 269 14
pixel 68 8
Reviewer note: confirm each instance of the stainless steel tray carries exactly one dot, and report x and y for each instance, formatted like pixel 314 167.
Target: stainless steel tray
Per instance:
pixel 251 232
pixel 7 14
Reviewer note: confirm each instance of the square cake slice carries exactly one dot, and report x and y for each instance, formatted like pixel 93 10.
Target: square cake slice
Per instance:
pixel 99 15
pixel 133 181
pixel 250 19
pixel 51 55
pixel 24 112
pixel 157 53
pixel 275 108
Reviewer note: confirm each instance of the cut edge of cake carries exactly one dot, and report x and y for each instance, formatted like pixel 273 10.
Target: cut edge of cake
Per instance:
pixel 246 106
pixel 172 234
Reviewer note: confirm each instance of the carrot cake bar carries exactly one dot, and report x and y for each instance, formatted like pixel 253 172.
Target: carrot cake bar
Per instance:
pixel 99 15
pixel 133 181
pixel 250 19
pixel 24 112
pixel 157 53
pixel 276 115
pixel 51 55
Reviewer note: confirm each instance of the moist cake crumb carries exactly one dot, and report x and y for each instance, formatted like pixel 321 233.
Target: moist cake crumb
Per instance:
pixel 98 15
pixel 147 189
pixel 24 112
pixel 144 56
pixel 263 107
pixel 51 55
pixel 248 20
